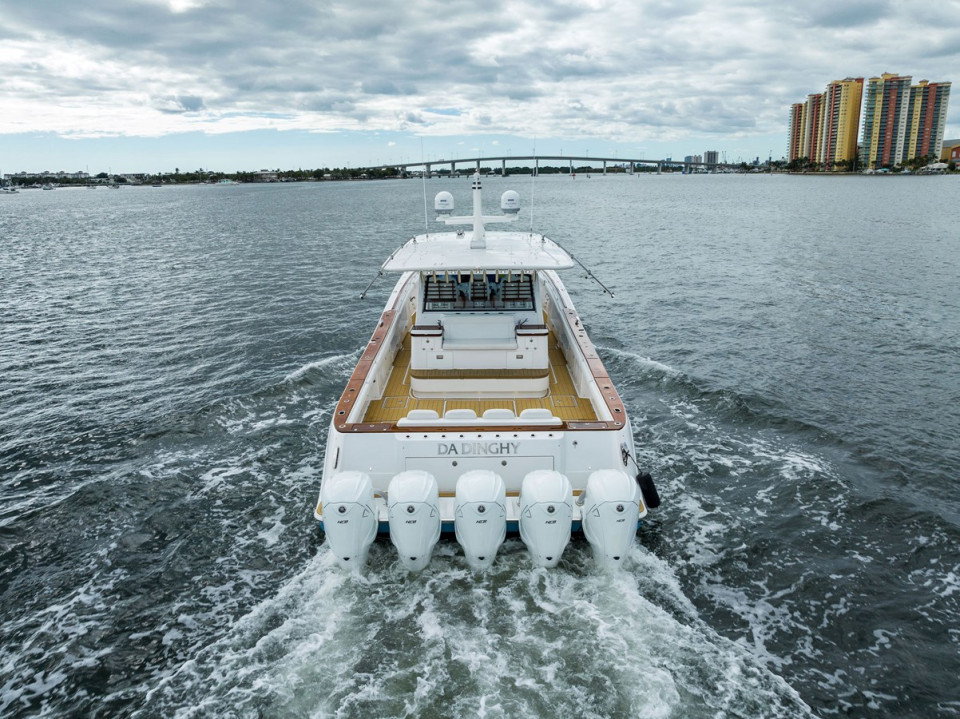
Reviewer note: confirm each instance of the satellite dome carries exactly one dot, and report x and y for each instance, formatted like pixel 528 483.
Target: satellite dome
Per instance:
pixel 510 202
pixel 443 203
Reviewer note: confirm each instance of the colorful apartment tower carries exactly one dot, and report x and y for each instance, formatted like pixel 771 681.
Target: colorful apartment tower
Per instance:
pixel 823 129
pixel 797 114
pixel 901 121
pixel 926 119
pixel 839 123
pixel 811 125
pixel 885 121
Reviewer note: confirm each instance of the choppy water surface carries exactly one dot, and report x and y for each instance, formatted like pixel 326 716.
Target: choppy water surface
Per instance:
pixel 787 348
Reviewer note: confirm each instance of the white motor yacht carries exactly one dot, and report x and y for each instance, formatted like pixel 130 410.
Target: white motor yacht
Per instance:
pixel 480 407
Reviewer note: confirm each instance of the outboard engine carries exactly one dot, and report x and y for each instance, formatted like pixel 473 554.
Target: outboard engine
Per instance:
pixel 480 518
pixel 546 513
pixel 611 509
pixel 349 517
pixel 413 506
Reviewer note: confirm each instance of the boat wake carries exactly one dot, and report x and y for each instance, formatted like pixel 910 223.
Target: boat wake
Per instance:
pixel 517 641
pixel 340 363
pixel 760 503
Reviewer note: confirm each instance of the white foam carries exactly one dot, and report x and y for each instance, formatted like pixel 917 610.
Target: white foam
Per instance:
pixel 343 360
pixel 646 362
pixel 507 643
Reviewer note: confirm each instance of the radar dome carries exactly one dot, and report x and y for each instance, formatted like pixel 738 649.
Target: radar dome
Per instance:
pixel 443 203
pixel 510 202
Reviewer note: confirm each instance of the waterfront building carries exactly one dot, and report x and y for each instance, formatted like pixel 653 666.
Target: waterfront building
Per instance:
pixel 885 121
pixel 901 121
pixel 823 128
pixel 950 151
pixel 710 157
pixel 798 113
pixel 926 119
pixel 836 144
pixel 811 126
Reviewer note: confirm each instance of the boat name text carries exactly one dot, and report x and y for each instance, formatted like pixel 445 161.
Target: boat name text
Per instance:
pixel 476 449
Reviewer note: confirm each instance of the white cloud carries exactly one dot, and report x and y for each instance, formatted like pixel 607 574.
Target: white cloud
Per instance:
pixel 618 70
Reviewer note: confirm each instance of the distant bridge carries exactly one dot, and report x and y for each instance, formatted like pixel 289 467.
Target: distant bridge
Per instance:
pixel 476 162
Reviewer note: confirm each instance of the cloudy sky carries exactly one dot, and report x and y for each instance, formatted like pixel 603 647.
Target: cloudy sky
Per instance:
pixel 133 85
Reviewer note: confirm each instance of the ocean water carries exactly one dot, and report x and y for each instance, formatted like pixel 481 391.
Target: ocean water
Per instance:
pixel 787 348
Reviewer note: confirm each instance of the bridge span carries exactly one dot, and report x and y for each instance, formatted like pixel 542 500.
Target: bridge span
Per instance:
pixel 476 162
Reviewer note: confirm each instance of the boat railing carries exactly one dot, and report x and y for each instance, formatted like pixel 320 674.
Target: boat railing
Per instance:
pixel 400 322
pixel 572 340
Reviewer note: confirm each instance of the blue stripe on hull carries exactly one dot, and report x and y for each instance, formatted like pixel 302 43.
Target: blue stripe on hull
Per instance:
pixel 513 527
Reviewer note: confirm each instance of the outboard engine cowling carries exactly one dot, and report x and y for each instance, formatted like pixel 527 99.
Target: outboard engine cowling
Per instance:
pixel 611 510
pixel 349 517
pixel 413 507
pixel 480 517
pixel 546 512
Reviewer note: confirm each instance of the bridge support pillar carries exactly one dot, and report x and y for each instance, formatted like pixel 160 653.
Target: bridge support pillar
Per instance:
pixel 659 168
pixel 428 170
pixel 503 168
pixel 604 167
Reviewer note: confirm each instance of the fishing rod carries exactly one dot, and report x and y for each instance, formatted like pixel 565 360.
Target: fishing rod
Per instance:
pixel 367 288
pixel 379 274
pixel 585 269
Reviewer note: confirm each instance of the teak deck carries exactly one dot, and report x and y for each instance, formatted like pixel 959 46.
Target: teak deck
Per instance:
pixel 561 398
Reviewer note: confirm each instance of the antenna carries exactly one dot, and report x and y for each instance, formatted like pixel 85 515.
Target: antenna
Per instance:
pixel 508 205
pixel 423 177
pixel 533 181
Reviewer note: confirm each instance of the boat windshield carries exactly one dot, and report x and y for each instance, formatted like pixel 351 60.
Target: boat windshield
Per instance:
pixel 476 290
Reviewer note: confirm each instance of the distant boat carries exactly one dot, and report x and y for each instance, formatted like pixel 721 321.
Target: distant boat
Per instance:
pixel 47 186
pixel 115 186
pixel 7 189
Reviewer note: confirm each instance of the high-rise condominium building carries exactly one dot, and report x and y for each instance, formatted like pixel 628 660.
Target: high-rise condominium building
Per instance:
pixel 798 112
pixel 926 118
pixel 839 122
pixel 811 125
pixel 885 120
pixel 902 122
pixel 823 129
